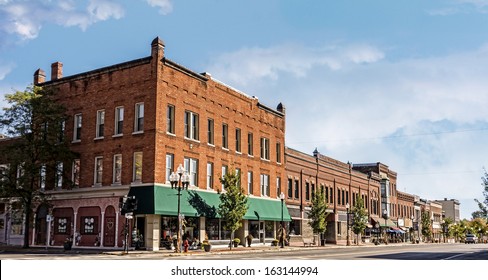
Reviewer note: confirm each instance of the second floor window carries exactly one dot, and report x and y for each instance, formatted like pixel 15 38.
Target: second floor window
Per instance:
pixel 191 166
pixel 137 177
pixel 59 175
pixel 170 159
pixel 250 145
pixel 209 175
pixel 191 125
pixel 170 119
pixel 139 118
pixel 100 123
pixel 224 172
pixel 77 128
pixel 249 182
pixel 265 191
pixel 278 152
pixel 98 170
pixel 117 169
pixel 238 140
pixel 75 173
pixel 210 132
pixel 225 134
pixel 264 148
pixel 119 120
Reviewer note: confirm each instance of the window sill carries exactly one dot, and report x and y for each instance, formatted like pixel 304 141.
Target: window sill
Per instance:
pixel 117 135
pixel 138 132
pixel 76 141
pixel 193 140
pixel 98 138
pixel 170 134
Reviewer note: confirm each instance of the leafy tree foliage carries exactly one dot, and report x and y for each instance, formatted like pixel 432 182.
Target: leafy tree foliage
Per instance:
pixel 483 205
pixel 233 203
pixel 35 146
pixel 426 225
pixel 359 217
pixel 318 213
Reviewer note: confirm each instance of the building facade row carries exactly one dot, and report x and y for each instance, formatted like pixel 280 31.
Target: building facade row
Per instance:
pixel 132 124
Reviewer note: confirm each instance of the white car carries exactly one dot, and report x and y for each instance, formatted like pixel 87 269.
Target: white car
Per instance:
pixel 471 238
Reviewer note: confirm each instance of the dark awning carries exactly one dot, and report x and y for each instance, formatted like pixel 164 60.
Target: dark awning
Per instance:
pixel 163 200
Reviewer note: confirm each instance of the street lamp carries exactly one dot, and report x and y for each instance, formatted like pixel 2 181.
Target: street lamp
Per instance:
pixel 348 242
pixel 385 216
pixel 413 229
pixel 282 197
pixel 377 226
pixel 175 179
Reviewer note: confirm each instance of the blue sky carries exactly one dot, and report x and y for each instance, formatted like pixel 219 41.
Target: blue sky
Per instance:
pixel 399 82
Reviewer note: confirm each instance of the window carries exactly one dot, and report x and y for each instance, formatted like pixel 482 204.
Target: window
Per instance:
pixel 238 140
pixel 249 182
pixel 139 118
pixel 62 127
pixel 77 128
pixel 264 148
pixel 278 186
pixel 137 177
pixel 250 144
pixel 75 173
pixel 297 189
pixel 170 159
pixel 278 152
pixel 209 175
pixel 100 123
pixel 290 188
pixel 59 175
pixel 89 225
pixel 191 125
pixel 307 191
pixel 98 170
pixel 210 132
pixel 225 134
pixel 119 120
pixel 327 200
pixel 224 171
pixel 238 174
pixel 42 181
pixel 117 169
pixel 170 119
pixel 191 166
pixel 265 191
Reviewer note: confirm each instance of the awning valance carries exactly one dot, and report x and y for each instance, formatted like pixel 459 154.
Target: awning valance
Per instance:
pixel 383 223
pixel 163 200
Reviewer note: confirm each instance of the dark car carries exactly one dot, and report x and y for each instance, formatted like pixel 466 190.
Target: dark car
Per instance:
pixel 470 238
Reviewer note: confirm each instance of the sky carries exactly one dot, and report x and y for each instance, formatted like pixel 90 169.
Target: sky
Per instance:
pixel 404 83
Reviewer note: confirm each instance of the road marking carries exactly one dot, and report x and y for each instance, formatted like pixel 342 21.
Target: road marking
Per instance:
pixel 458 255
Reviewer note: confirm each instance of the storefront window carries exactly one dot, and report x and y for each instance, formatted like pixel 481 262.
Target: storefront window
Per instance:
pixel 212 229
pixel 254 228
pixel 62 225
pixel 89 225
pixel 269 229
pixel 225 233
pixel 17 222
pixel 168 227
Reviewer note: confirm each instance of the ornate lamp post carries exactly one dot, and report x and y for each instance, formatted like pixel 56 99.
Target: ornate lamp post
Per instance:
pixel 179 181
pixel 282 197
pixel 348 242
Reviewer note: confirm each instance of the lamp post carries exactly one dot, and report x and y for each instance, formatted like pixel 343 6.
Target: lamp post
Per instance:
pixel 348 242
pixel 179 181
pixel 413 229
pixel 282 197
pixel 385 216
pixel 377 226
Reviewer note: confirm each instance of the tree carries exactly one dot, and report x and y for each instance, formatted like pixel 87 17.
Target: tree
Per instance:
pixel 35 147
pixel 426 225
pixel 233 203
pixel 318 213
pixel 359 217
pixel 483 205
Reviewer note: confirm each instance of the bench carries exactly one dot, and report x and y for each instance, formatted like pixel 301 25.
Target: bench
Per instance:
pixel 308 242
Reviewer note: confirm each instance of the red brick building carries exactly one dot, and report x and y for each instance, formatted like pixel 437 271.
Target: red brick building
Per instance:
pixel 132 124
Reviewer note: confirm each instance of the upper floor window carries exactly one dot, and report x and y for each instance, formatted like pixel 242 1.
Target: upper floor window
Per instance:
pixel 170 119
pixel 137 169
pixel 191 166
pixel 119 120
pixel 191 125
pixel 265 190
pixel 42 181
pixel 250 145
pixel 225 136
pixel 98 170
pixel 170 159
pixel 59 175
pixel 278 152
pixel 117 169
pixel 100 123
pixel 238 140
pixel 139 118
pixel 224 172
pixel 75 173
pixel 264 148
pixel 77 128
pixel 249 182
pixel 290 188
pixel 209 175
pixel 210 131
pixel 278 186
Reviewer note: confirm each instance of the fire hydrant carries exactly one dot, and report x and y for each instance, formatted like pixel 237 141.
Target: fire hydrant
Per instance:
pixel 185 245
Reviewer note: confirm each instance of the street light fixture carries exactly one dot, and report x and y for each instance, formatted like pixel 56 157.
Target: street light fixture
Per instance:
pixel 348 242
pixel 282 197
pixel 385 216
pixel 179 180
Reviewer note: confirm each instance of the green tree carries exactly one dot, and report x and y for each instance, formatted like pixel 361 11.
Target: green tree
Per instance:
pixel 35 146
pixel 233 203
pixel 359 218
pixel 426 225
pixel 318 213
pixel 483 205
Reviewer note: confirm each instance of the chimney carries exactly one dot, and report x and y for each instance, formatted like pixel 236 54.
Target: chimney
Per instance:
pixel 56 71
pixel 157 48
pixel 39 76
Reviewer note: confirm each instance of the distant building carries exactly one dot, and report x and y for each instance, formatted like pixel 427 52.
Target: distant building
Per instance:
pixel 450 207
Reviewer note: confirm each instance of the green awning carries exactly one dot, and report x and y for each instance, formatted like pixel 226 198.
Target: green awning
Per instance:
pixel 163 200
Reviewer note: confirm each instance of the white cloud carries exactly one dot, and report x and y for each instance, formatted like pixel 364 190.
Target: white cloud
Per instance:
pixel 354 104
pixel 165 6
pixel 5 69
pixel 26 18
pixel 461 6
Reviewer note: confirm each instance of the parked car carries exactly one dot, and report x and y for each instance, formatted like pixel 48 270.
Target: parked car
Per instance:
pixel 470 238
